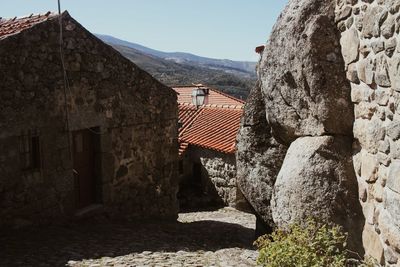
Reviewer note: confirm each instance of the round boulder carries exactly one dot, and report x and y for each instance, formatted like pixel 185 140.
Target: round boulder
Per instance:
pixel 317 180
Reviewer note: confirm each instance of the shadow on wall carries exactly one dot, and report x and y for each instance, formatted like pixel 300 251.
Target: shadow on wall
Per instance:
pixel 56 245
pixel 197 192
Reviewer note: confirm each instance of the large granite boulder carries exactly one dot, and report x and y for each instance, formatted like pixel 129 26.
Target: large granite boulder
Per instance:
pixel 302 74
pixel 303 102
pixel 259 157
pixel 317 180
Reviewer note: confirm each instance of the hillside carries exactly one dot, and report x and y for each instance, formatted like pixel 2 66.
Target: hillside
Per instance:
pixel 233 78
pixel 244 68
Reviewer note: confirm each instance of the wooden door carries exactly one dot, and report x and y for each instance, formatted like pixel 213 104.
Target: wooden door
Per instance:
pixel 83 157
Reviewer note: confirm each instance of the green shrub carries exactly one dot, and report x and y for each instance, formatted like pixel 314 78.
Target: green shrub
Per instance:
pixel 369 262
pixel 313 244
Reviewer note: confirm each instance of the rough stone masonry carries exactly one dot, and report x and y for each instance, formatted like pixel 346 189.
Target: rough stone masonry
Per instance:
pixel 131 117
pixel 371 50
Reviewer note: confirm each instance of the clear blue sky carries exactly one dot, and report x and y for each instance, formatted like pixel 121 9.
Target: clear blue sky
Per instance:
pixel 213 28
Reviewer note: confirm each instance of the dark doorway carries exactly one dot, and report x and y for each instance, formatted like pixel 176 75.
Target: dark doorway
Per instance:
pixel 84 173
pixel 196 191
pixel 197 174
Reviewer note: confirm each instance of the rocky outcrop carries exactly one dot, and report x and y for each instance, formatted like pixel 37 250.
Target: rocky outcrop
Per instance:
pixel 259 157
pixel 302 75
pixel 304 104
pixel 310 107
pixel 374 73
pixel 317 180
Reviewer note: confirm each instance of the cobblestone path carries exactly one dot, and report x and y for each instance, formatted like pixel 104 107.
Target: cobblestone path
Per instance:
pixel 218 238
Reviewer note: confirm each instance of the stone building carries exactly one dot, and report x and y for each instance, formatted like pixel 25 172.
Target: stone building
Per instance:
pixel 371 51
pixel 207 136
pixel 102 136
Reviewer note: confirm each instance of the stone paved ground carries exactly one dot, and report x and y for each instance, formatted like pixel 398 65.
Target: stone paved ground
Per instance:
pixel 218 238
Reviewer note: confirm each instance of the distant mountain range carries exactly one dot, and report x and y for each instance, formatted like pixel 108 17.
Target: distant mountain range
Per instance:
pixel 178 68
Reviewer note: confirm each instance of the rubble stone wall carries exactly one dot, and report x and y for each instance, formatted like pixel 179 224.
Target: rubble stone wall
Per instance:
pixel 132 116
pixel 217 181
pixel 219 173
pixel 370 44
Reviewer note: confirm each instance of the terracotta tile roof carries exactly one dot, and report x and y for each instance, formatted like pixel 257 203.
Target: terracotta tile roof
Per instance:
pixel 211 127
pixel 16 25
pixel 187 113
pixel 215 97
pixel 182 147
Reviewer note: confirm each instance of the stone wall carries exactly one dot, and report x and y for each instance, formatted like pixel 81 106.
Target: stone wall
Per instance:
pixel 371 50
pixel 220 170
pixel 295 142
pixel 132 117
pixel 218 176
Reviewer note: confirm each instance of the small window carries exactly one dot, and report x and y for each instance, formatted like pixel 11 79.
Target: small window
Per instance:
pixel 30 152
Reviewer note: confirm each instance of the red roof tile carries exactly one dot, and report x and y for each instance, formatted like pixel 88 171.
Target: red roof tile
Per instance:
pixel 182 148
pixel 187 113
pixel 213 128
pixel 16 25
pixel 215 97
